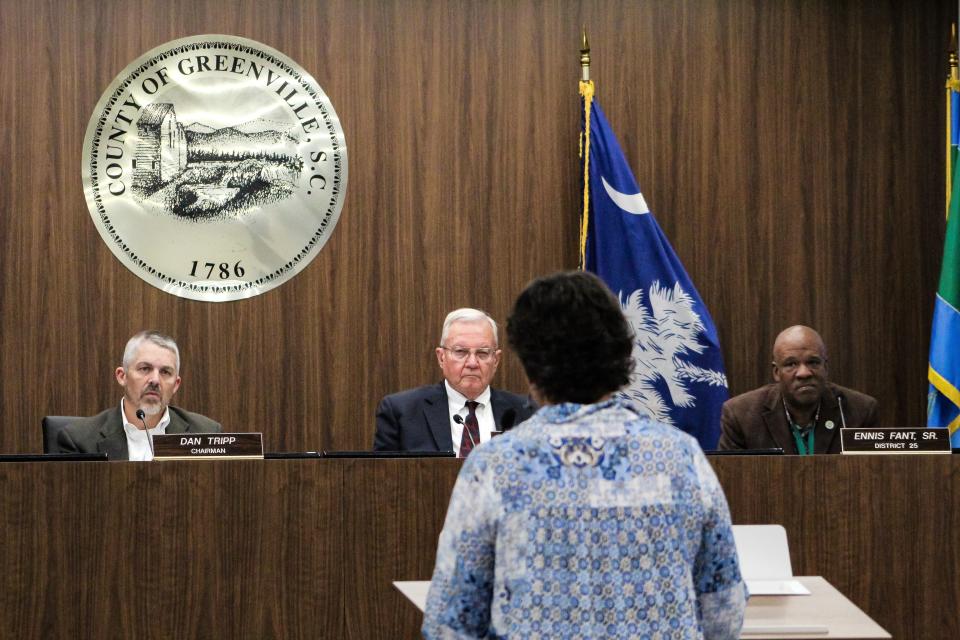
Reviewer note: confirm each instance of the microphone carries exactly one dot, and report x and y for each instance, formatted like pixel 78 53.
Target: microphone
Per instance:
pixel 843 419
pixel 141 415
pixel 459 420
pixel 508 420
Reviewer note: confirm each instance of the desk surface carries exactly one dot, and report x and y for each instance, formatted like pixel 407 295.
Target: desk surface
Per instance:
pixel 824 606
pixel 767 616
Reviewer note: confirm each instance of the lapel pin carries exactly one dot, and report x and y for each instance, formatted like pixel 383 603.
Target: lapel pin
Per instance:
pixel 829 424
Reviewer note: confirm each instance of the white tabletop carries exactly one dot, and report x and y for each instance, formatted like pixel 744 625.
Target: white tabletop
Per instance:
pixel 825 613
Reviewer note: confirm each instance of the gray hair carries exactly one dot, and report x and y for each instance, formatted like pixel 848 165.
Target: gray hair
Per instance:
pixel 157 338
pixel 467 314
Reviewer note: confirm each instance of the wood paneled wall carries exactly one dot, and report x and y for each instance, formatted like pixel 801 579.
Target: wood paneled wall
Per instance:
pixel 792 151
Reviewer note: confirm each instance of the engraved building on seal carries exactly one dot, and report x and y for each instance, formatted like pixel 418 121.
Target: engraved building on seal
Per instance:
pixel 162 149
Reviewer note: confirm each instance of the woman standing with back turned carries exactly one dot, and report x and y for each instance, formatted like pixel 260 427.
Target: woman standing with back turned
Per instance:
pixel 588 520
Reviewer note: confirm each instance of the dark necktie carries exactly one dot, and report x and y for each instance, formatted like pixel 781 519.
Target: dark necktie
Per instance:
pixel 471 427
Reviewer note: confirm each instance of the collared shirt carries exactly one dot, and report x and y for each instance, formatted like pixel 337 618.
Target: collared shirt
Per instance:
pixel 137 445
pixel 457 405
pixel 587 521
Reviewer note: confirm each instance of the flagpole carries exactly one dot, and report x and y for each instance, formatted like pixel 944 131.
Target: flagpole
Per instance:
pixel 586 92
pixel 953 85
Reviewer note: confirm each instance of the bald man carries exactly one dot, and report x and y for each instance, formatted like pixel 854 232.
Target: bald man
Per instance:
pixel 801 412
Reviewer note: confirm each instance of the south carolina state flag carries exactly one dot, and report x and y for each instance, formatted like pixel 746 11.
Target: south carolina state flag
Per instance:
pixel 679 377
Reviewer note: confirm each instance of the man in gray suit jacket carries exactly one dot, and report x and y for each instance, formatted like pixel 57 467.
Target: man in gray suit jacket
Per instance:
pixel 463 410
pixel 150 376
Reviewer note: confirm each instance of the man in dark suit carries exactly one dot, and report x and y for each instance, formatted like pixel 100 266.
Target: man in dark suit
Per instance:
pixel 150 376
pixel 463 410
pixel 802 412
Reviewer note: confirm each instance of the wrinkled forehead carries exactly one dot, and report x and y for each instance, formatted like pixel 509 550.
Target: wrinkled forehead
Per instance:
pixel 471 334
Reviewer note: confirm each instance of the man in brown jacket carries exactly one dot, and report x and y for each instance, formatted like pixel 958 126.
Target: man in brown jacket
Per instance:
pixel 801 412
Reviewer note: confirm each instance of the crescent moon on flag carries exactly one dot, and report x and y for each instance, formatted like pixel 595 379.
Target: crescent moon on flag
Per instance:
pixel 630 203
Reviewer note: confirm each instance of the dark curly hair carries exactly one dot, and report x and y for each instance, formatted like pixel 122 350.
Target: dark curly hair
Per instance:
pixel 572 338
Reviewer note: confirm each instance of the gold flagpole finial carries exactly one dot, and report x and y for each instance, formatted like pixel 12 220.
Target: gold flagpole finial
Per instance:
pixel 953 42
pixel 584 55
pixel 953 51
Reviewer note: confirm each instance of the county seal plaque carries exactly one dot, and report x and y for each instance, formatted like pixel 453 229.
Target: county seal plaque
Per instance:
pixel 214 168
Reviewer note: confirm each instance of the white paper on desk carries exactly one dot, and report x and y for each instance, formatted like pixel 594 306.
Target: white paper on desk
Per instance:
pixel 777 588
pixel 765 560
pixel 415 590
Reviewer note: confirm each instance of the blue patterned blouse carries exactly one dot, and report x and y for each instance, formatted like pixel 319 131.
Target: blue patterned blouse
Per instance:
pixel 587 521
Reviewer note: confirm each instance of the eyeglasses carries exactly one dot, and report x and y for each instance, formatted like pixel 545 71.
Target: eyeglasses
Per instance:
pixel 462 353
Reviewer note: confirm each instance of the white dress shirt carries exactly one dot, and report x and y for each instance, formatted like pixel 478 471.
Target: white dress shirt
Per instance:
pixel 137 445
pixel 457 405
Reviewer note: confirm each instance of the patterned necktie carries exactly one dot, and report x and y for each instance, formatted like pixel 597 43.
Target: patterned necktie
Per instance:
pixel 471 427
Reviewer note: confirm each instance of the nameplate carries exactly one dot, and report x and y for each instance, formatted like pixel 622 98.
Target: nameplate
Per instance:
pixel 207 446
pixel 934 440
